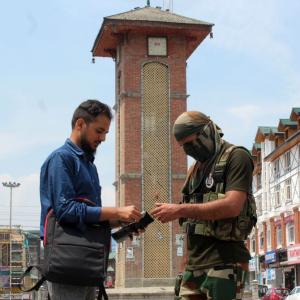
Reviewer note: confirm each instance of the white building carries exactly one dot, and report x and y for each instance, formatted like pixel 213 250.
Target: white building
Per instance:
pixel 275 243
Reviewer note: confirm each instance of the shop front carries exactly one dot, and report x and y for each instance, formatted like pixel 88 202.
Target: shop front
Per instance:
pixel 261 276
pixel 273 269
pixel 292 271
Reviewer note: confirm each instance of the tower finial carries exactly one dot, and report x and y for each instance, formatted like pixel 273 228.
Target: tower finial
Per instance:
pixel 148 2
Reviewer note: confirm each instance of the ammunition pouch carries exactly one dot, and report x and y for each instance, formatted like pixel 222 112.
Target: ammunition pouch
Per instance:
pixel 231 229
pixel 194 198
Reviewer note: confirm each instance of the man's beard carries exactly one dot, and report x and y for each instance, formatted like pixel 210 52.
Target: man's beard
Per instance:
pixel 85 146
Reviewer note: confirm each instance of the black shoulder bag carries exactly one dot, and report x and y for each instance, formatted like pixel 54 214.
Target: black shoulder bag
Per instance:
pixel 72 256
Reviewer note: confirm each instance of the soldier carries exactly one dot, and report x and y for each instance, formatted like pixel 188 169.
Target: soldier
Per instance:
pixel 217 212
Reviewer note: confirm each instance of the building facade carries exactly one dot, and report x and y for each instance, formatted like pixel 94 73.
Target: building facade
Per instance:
pixel 275 242
pixel 16 255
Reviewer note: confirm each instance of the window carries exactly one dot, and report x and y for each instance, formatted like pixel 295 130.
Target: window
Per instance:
pixel 261 241
pixel 16 257
pixel 4 236
pixel 258 181
pixel 276 169
pixel 277 195
pixel 16 246
pixel 253 245
pixel 286 134
pixel 258 201
pixel 287 161
pixel 288 194
pixel 279 236
pixel 290 233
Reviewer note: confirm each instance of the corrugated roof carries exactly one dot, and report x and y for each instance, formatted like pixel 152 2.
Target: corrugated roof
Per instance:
pixel 257 145
pixel 287 122
pixel 267 129
pixel 296 110
pixel 152 14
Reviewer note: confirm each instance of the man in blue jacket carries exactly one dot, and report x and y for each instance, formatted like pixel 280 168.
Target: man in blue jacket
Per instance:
pixel 69 173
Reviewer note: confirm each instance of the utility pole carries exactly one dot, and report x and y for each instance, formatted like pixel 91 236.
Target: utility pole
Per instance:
pixel 10 185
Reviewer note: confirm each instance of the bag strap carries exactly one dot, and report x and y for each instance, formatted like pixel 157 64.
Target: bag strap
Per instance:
pixel 37 285
pixel 220 166
pixel 102 292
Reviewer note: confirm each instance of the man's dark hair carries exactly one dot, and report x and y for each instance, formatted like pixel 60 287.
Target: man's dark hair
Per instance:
pixel 89 110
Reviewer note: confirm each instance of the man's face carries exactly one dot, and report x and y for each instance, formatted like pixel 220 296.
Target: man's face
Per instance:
pixel 94 133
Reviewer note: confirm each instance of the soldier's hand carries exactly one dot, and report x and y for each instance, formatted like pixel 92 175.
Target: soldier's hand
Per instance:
pixel 166 212
pixel 129 214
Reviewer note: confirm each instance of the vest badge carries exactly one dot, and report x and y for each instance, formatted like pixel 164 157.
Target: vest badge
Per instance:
pixel 209 182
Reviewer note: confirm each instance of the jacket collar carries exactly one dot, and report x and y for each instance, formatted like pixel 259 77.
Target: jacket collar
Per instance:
pixel 78 151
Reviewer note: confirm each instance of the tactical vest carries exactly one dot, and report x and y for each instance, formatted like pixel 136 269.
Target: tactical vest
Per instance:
pixel 231 229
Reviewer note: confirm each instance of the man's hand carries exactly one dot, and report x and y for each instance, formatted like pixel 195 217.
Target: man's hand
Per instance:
pixel 129 214
pixel 228 207
pixel 166 212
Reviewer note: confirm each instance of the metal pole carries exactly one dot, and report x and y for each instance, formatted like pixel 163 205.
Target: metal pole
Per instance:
pixel 10 240
pixel 10 185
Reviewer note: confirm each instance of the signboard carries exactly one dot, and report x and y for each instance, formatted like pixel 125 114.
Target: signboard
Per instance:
pixel 179 239
pixel 157 46
pixel 270 257
pixel 179 251
pixel 293 253
pixel 289 219
pixel 270 274
pixel 129 253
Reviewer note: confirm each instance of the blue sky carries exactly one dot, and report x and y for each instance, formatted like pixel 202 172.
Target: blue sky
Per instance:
pixel 246 76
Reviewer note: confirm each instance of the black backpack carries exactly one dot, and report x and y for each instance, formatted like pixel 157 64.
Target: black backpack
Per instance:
pixel 72 256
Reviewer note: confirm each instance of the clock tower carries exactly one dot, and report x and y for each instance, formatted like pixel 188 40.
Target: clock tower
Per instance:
pixel 150 48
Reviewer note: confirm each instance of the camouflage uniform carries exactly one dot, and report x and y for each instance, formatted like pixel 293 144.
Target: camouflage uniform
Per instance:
pixel 217 256
pixel 217 283
pixel 223 278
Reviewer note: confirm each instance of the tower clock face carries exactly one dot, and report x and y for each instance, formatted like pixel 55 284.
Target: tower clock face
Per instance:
pixel 157 46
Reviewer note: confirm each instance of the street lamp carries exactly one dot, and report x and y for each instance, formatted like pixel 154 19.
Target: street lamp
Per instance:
pixel 10 185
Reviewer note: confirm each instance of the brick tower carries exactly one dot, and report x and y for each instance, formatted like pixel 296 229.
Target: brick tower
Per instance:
pixel 150 48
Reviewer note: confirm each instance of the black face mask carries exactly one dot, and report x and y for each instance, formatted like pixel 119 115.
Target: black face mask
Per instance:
pixel 203 147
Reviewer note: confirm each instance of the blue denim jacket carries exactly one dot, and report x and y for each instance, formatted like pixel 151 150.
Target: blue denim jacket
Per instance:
pixel 68 173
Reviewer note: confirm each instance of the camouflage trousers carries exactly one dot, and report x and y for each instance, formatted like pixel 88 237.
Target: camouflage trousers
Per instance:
pixel 217 283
